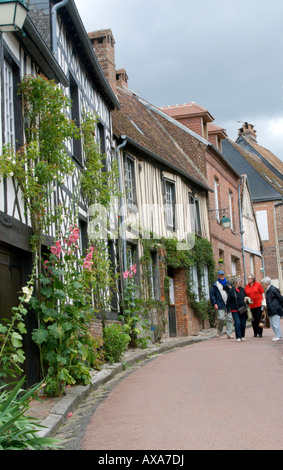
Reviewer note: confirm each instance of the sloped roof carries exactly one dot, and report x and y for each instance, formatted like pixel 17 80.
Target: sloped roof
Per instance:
pixel 273 162
pixel 264 184
pixel 213 128
pixel 159 135
pixel 188 109
pixel 81 41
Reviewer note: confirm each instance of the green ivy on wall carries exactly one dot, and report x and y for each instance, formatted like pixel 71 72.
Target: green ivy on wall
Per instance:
pixel 201 256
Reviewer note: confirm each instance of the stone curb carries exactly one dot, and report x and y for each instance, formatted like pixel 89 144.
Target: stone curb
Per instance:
pixel 67 404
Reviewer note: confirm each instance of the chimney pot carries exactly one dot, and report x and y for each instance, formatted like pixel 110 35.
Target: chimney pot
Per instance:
pixel 248 131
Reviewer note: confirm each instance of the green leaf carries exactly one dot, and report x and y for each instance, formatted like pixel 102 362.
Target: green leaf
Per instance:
pixel 3 329
pixel 60 294
pixel 56 330
pixel 47 291
pixel 40 336
pixel 16 339
pixel 21 327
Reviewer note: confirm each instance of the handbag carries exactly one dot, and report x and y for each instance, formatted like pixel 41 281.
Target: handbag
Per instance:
pixel 243 309
pixel 264 321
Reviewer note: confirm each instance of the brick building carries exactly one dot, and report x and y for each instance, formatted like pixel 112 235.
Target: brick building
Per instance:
pixel 224 180
pixel 265 176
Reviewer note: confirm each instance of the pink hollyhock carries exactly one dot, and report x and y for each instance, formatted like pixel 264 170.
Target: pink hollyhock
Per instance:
pixel 87 265
pixel 126 274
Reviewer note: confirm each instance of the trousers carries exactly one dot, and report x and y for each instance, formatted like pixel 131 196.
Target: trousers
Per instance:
pixel 275 325
pixel 240 324
pixel 222 315
pixel 256 313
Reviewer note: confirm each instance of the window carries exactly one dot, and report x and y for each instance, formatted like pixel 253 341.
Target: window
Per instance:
pixel 130 179
pixel 170 204
pixel 9 105
pixel 231 209
pixel 75 115
pixel 233 267
pixel 252 264
pixel 216 197
pixel 262 222
pixel 153 277
pixel 194 281
pixel 195 214
pixel 205 283
pixel 100 139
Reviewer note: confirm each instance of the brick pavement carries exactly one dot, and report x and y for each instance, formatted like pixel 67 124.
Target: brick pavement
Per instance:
pixel 52 412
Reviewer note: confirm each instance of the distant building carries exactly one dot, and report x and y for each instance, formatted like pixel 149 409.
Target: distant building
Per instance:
pixel 265 178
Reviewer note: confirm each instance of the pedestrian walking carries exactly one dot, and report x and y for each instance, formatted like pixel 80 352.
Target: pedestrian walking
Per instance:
pixel 255 292
pixel 218 298
pixel 237 306
pixel 274 303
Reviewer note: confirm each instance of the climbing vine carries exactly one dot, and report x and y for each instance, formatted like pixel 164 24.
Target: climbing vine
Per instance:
pixel 68 287
pixel 200 257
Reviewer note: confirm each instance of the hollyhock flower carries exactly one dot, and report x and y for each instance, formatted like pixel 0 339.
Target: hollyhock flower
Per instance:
pixel 126 274
pixel 87 265
pixel 27 291
pixel 59 247
pixel 53 250
pixel 133 268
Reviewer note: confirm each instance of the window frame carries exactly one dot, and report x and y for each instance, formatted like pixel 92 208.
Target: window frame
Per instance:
pixel 9 114
pixel 130 183
pixel 195 214
pixel 170 204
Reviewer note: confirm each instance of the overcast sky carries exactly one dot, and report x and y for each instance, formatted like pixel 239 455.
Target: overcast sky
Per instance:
pixel 226 55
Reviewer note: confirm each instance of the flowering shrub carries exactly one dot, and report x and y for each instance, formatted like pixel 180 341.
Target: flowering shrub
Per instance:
pixel 115 342
pixel 132 308
pixel 11 337
pixel 64 307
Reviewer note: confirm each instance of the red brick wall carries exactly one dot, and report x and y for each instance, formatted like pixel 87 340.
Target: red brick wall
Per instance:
pixel 272 246
pixel 193 123
pixel 279 224
pixel 226 240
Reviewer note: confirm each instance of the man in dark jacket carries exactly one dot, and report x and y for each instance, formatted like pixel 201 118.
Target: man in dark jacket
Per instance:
pixel 274 303
pixel 218 298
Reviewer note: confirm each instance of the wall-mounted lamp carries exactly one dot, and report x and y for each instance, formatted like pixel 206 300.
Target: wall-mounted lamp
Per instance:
pixel 12 14
pixel 224 220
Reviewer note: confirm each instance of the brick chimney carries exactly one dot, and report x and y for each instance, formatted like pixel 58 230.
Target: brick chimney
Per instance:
pixel 103 43
pixel 248 131
pixel 122 78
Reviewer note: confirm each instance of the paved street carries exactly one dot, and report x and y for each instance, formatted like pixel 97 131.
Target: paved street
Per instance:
pixel 217 394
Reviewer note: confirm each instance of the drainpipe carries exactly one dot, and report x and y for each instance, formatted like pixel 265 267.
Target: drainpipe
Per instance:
pixel 241 229
pixel 124 243
pixel 54 26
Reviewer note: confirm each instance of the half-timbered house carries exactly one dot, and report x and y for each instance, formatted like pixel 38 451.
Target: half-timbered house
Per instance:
pixel 162 176
pixel 53 43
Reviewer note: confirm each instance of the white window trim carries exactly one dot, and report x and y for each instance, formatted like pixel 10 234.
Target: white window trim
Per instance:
pixel 9 118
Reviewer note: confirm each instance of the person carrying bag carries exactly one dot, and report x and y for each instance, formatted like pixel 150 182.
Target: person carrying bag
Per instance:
pixel 237 306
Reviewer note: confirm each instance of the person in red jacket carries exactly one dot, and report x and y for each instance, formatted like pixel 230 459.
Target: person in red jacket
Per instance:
pixel 255 292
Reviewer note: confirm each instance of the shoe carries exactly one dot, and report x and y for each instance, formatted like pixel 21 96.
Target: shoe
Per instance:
pixel 276 339
pixel 260 336
pixel 238 340
pixel 230 337
pixel 243 339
